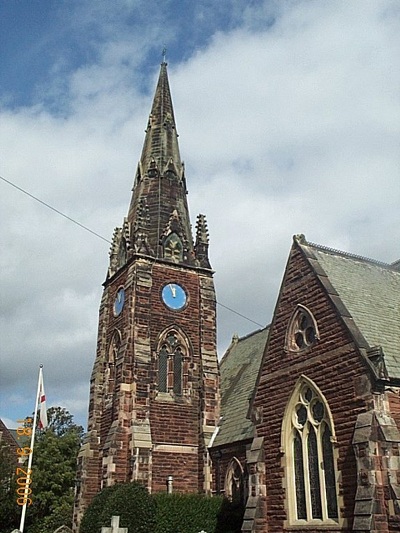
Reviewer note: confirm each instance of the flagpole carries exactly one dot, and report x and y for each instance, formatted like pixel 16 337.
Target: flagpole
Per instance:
pixel 40 382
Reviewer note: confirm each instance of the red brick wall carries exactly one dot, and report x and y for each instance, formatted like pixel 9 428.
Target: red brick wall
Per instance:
pixel 173 422
pixel 333 364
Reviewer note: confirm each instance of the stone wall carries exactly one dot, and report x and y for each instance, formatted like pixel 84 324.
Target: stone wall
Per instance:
pixel 334 364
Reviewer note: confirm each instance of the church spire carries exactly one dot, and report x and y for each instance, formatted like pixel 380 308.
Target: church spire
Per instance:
pixel 160 185
pixel 161 141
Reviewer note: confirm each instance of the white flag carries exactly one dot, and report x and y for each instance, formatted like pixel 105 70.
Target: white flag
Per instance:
pixel 42 402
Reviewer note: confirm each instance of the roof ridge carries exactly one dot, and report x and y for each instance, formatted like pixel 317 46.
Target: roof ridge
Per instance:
pixel 335 251
pixel 253 333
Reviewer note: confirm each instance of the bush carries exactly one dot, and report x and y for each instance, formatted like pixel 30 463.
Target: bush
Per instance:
pixel 230 517
pixel 130 501
pixel 186 513
pixel 141 512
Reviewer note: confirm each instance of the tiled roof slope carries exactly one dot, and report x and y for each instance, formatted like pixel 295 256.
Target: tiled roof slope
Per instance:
pixel 370 290
pixel 6 435
pixel 239 369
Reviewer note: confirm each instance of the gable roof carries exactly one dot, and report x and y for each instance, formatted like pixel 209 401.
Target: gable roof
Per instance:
pixel 239 369
pixel 366 292
pixel 7 436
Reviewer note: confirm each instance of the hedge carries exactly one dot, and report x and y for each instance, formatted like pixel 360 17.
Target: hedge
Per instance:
pixel 141 512
pixel 130 501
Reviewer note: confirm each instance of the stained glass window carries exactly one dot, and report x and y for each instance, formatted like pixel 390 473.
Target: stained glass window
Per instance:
pixel 299 477
pixel 314 492
pixel 313 472
pixel 329 471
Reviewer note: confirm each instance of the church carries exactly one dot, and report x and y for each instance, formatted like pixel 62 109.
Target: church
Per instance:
pixel 299 421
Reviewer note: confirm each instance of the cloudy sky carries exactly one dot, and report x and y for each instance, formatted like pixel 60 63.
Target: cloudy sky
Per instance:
pixel 288 115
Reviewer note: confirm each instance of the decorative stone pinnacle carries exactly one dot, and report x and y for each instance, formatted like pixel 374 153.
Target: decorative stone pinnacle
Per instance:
pixel 201 230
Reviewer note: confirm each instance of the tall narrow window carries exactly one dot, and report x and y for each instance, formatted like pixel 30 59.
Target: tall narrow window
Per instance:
pixel 113 350
pixel 310 463
pixel 171 357
pixel 234 482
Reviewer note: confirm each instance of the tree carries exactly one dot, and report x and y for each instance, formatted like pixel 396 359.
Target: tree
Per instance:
pixel 130 501
pixel 54 472
pixel 9 510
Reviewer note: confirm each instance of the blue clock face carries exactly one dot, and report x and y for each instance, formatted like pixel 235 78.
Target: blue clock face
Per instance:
pixel 119 301
pixel 174 296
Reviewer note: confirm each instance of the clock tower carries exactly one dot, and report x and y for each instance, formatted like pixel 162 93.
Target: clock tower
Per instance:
pixel 154 390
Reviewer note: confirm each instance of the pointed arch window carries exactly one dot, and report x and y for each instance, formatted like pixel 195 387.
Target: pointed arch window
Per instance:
pixel 302 332
pixel 173 248
pixel 308 436
pixel 172 354
pixel 113 350
pixel 235 481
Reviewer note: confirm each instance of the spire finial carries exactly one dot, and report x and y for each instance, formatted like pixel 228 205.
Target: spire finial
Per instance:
pixel 164 55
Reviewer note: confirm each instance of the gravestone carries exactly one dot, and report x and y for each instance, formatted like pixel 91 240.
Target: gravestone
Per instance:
pixel 114 527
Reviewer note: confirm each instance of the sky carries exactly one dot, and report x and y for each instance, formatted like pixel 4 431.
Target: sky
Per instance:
pixel 288 119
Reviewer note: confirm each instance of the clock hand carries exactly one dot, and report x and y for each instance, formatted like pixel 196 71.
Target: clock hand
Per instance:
pixel 173 290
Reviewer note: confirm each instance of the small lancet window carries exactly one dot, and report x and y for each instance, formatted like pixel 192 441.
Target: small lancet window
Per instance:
pixel 173 248
pixel 302 332
pixel 171 357
pixel 308 442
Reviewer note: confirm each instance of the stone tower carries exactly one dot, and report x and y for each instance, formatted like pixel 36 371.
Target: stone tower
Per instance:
pixel 154 392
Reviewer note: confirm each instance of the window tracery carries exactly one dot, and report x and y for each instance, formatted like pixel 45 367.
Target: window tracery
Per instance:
pixel 172 374
pixel 173 248
pixel 302 331
pixel 310 461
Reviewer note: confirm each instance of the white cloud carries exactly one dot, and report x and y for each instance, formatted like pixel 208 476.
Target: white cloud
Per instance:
pixel 288 123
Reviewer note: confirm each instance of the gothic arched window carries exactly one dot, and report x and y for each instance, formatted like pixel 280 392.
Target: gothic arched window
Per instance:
pixel 302 331
pixel 113 350
pixel 173 248
pixel 308 437
pixel 171 354
pixel 235 482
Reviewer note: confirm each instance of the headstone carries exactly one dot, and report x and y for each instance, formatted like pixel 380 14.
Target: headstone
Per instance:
pixel 114 527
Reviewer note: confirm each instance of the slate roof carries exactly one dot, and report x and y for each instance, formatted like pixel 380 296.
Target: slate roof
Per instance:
pixel 7 435
pixel 239 369
pixel 370 291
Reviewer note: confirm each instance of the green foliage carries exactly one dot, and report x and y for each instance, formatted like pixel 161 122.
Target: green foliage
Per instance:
pixel 230 517
pixel 161 513
pixel 130 501
pixel 54 472
pixel 10 512
pixel 186 513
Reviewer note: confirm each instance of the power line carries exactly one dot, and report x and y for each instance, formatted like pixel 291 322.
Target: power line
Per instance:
pixel 100 236
pixel 54 209
pixel 239 314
